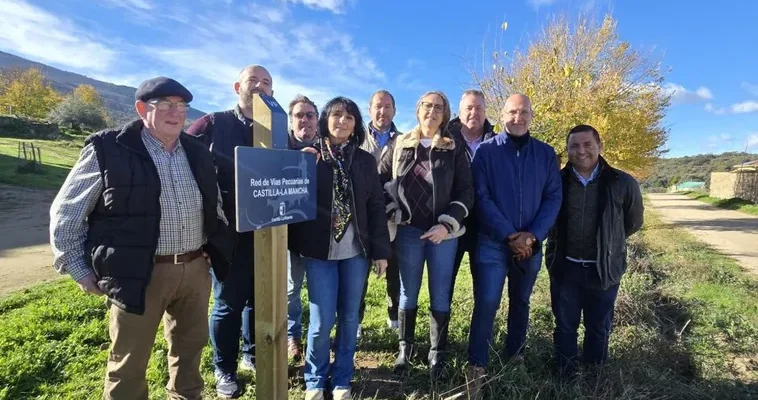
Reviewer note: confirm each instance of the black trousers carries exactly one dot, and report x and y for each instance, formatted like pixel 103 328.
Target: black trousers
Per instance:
pixel 466 243
pixel 393 288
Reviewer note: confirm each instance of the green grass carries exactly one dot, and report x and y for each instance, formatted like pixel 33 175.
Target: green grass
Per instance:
pixel 686 327
pixel 729 204
pixel 58 156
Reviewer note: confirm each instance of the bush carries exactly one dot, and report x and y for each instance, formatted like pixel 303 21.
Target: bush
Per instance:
pixel 77 113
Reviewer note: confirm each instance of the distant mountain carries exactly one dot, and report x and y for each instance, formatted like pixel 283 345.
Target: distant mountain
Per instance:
pixel 118 99
pixel 669 171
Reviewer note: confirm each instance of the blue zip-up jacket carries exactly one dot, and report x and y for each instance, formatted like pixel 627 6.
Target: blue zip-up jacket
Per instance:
pixel 517 190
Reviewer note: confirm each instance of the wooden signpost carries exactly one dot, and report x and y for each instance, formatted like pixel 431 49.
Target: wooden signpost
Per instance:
pixel 274 188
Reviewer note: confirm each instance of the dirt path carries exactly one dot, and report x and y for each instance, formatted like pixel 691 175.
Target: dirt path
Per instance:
pixel 732 233
pixel 25 256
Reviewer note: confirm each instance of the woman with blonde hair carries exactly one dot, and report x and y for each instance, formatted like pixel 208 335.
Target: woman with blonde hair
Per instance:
pixel 427 180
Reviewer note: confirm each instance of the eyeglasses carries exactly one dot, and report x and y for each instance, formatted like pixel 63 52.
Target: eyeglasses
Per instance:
pixel 438 108
pixel 165 105
pixel 307 115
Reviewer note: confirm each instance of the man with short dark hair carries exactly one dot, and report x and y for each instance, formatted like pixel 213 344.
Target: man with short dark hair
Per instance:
pixel 380 130
pixel 134 220
pixel 303 115
pixel 234 298
pixel 586 249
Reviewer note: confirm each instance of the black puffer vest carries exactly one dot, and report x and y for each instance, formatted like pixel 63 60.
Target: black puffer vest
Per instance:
pixel 124 226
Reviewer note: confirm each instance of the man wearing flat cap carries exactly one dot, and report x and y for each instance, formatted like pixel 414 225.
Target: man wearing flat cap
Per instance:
pixel 138 220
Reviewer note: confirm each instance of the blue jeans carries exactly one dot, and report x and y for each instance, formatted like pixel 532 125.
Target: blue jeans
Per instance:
pixel 295 278
pixel 494 263
pixel 233 309
pixel 411 254
pixel 334 294
pixel 577 290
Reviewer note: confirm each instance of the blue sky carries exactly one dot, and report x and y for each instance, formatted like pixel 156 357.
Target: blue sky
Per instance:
pixel 323 48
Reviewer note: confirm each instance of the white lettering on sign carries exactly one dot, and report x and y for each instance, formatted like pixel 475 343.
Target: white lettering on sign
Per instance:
pixel 276 187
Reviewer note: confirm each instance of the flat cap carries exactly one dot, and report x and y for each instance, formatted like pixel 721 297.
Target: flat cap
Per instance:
pixel 161 87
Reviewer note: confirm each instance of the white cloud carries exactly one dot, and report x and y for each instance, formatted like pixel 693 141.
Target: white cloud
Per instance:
pixel 750 88
pixel 35 33
pixel 744 107
pixel 711 109
pixel 679 94
pixel 752 140
pixel 132 4
pixel 335 6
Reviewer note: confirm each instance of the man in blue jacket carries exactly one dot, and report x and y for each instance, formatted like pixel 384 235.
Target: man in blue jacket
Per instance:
pixel 518 195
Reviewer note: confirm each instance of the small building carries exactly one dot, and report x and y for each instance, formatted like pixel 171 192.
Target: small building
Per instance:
pixel 689 185
pixel 740 182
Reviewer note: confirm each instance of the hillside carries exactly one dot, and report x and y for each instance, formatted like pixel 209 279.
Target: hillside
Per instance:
pixel 692 168
pixel 117 98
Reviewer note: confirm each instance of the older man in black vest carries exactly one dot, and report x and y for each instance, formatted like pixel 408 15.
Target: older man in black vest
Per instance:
pixel 136 220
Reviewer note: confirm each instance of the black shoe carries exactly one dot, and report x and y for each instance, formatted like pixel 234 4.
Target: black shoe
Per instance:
pixel 407 328
pixel 438 328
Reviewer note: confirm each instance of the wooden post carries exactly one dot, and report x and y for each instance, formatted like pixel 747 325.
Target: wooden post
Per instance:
pixel 270 275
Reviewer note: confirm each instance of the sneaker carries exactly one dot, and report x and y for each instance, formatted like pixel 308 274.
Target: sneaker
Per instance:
pixel 227 386
pixel 393 324
pixel 294 349
pixel 475 377
pixel 314 394
pixel 342 394
pixel 247 363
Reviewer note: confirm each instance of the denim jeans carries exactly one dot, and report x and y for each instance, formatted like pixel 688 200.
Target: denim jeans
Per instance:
pixel 334 295
pixel 494 263
pixel 295 278
pixel 576 291
pixel 411 254
pixel 392 276
pixel 233 309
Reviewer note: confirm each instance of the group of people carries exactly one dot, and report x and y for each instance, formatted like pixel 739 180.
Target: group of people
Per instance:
pixel 145 217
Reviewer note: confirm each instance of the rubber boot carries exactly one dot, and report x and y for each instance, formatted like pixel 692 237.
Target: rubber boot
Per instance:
pixel 407 327
pixel 438 328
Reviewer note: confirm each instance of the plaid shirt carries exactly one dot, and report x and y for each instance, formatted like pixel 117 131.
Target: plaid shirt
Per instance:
pixel 181 225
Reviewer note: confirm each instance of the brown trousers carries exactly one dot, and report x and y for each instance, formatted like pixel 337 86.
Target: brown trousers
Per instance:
pixel 177 293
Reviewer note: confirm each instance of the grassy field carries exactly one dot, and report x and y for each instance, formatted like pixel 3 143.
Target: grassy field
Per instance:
pixel 58 156
pixel 730 204
pixel 686 327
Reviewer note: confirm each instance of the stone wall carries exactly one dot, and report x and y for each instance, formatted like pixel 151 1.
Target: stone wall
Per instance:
pixel 746 186
pixel 728 185
pixel 26 129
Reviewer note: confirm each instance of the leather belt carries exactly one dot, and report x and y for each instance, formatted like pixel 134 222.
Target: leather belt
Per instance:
pixel 178 258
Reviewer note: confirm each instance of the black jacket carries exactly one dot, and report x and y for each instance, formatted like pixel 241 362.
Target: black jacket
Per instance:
pixel 451 175
pixel 125 224
pixel 312 238
pixel 455 132
pixel 621 215
pixel 471 222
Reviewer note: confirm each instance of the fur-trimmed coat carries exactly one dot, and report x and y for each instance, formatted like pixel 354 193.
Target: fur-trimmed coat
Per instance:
pixel 451 180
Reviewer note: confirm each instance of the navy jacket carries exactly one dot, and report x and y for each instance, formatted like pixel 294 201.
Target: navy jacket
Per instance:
pixel 516 189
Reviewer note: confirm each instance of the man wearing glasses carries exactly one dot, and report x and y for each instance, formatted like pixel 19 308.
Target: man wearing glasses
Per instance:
pixel 137 219
pixel 518 196
pixel 303 116
pixel 233 298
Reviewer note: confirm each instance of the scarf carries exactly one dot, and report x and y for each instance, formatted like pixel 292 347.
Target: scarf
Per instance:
pixel 342 207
